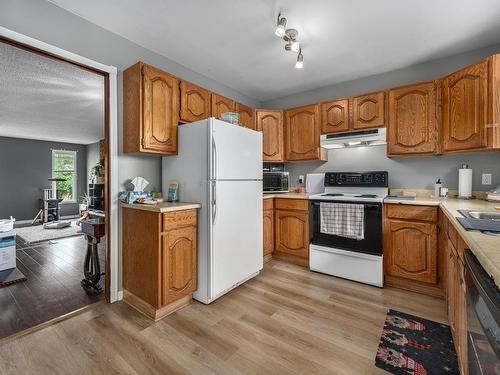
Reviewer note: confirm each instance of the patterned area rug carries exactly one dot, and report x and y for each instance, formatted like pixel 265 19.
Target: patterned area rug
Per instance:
pixel 416 346
pixel 37 233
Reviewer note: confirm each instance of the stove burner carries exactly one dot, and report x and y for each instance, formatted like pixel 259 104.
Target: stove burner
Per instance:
pixel 366 196
pixel 332 195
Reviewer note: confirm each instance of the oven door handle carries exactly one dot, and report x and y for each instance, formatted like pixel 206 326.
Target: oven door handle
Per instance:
pixel 377 206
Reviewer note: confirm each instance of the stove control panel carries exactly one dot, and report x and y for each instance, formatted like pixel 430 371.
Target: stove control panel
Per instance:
pixel 357 179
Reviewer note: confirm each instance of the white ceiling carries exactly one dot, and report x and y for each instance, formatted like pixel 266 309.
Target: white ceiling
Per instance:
pixel 233 41
pixel 47 99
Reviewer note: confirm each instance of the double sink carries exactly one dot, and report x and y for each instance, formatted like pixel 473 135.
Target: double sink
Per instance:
pixel 485 217
pixel 482 215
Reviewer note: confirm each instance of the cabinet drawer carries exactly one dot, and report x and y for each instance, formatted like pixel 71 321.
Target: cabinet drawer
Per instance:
pixel 407 212
pixel 291 204
pixel 178 219
pixel 268 204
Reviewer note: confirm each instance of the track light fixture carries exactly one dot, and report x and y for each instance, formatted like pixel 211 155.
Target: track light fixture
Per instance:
pixel 291 37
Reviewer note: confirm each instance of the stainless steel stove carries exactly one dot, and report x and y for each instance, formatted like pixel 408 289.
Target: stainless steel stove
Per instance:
pixel 359 259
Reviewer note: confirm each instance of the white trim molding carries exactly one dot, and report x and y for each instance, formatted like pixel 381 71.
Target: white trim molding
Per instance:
pixel 113 141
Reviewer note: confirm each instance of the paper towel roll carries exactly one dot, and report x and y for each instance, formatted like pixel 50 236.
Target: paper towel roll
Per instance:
pixel 465 182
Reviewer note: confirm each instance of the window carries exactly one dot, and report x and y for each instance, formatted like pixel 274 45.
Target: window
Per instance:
pixel 64 168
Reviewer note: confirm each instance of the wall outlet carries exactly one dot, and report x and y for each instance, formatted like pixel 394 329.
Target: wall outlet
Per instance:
pixel 486 179
pixel 301 179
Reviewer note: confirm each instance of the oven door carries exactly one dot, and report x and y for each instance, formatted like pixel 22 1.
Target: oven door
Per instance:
pixel 483 319
pixel 372 242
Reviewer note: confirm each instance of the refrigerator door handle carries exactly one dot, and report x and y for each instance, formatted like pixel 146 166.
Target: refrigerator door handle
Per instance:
pixel 214 159
pixel 214 201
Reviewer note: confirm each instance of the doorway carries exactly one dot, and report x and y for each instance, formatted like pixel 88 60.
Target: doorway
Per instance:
pixel 77 178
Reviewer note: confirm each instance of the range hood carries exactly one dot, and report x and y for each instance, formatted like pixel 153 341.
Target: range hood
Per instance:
pixel 362 138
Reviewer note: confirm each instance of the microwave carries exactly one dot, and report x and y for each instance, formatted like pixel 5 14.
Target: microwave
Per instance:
pixel 275 182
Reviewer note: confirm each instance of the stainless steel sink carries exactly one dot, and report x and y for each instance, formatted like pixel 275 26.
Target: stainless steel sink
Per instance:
pixel 484 215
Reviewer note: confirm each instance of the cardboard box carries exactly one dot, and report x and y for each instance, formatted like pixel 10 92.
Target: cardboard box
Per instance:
pixel 7 250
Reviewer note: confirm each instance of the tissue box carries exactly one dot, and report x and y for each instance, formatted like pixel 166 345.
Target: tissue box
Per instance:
pixel 7 250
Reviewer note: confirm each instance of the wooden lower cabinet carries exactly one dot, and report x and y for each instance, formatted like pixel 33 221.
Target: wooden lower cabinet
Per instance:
pixel 291 226
pixel 456 296
pixel 159 260
pixel 268 221
pixel 411 251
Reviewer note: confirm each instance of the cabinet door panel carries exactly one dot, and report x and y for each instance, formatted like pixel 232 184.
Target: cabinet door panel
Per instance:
pixel 368 111
pixel 268 232
pixel 247 116
pixel 465 108
pixel 221 104
pixel 412 251
pixel 412 127
pixel 335 116
pixel 292 233
pixel 302 133
pixel 270 123
pixel 179 264
pixel 195 102
pixel 160 110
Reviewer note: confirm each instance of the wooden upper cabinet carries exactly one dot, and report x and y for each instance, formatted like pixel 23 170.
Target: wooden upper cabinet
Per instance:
pixel 247 116
pixel 411 250
pixel 413 120
pixel 179 264
pixel 465 108
pixel 335 116
pixel 221 104
pixel 368 111
pixel 270 123
pixel 195 102
pixel 302 132
pixel 151 110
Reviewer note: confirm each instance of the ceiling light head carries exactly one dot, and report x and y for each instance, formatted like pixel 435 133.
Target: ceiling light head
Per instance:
pixel 300 60
pixel 295 46
pixel 291 34
pixel 280 26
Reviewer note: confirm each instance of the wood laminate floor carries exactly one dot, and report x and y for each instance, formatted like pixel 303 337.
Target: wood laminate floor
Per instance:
pixel 288 320
pixel 54 271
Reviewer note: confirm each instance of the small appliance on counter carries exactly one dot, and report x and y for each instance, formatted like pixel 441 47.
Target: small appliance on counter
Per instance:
pixel 275 179
pixel 315 183
pixel 465 182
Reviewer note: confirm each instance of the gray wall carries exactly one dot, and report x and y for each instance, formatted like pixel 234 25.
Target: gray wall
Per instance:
pixel 25 166
pixel 416 73
pixel 44 21
pixel 409 172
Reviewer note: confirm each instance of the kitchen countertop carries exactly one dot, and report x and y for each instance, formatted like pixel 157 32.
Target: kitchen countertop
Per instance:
pixel 287 195
pixel 163 207
pixel 485 247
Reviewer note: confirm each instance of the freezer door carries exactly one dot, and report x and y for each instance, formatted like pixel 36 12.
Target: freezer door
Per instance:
pixel 236 233
pixel 236 152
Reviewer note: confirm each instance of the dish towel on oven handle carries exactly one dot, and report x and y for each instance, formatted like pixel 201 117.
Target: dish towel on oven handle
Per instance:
pixel 343 219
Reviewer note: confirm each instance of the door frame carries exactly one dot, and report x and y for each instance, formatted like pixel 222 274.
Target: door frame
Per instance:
pixel 109 72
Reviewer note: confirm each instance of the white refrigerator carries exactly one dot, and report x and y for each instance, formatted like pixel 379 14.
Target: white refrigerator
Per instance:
pixel 220 166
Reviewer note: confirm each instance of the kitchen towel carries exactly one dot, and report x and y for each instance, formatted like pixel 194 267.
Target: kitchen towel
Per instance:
pixel 343 219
